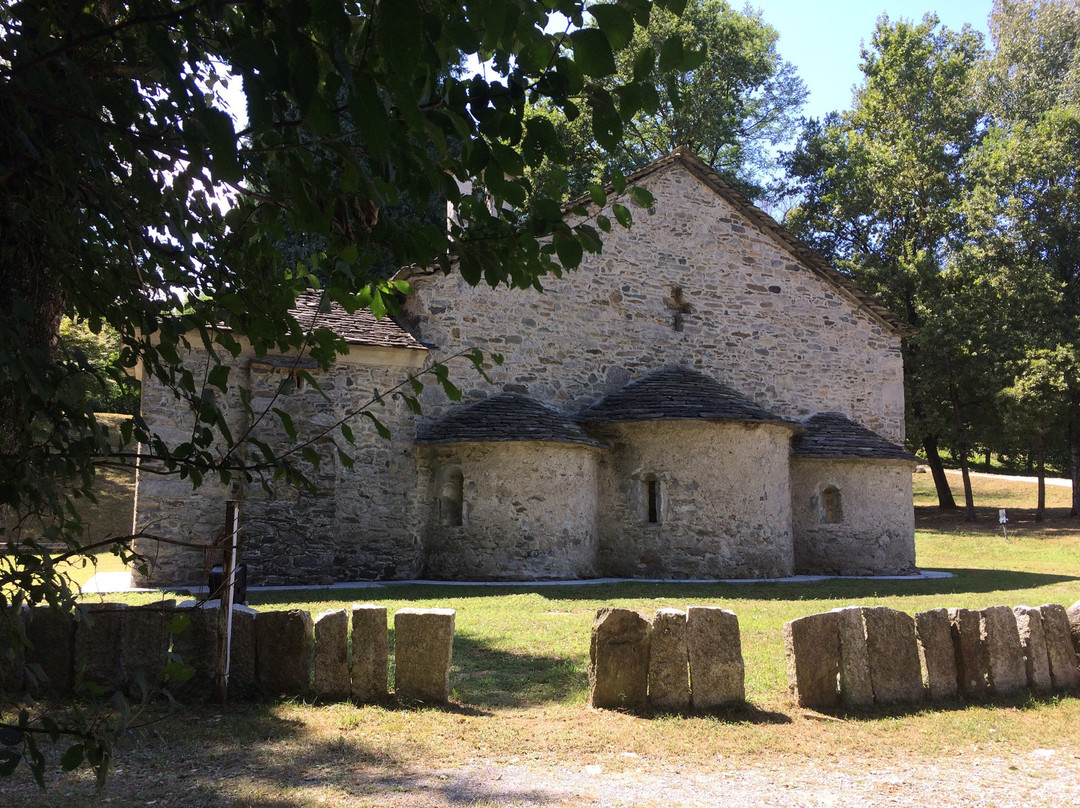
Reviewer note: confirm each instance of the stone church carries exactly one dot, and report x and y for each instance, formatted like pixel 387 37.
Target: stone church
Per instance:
pixel 707 398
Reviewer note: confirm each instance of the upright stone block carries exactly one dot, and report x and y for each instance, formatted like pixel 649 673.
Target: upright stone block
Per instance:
pixel 669 661
pixel 197 647
pixel 1005 670
pixel 243 656
pixel 1033 643
pixel 98 644
pixel 370 653
pixel 856 688
pixel 812 647
pixel 51 645
pixel 937 655
pixel 1073 613
pixel 894 656
pixel 145 640
pixel 332 655
pixel 283 646
pixel 12 650
pixel 717 671
pixel 971 661
pixel 619 659
pixel 423 651
pixel 1064 672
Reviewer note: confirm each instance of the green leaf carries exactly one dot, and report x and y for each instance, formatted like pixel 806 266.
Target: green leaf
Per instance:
pixel 622 215
pixel 9 761
pixel 73 757
pixel 303 73
pixel 592 52
pixel 219 377
pixel 641 196
pixel 286 422
pixel 596 192
pixel 615 22
pixel 644 62
pixel 671 54
pixel 569 251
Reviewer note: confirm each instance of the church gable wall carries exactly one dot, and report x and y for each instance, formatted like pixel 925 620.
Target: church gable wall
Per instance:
pixel 692 282
pixel 695 499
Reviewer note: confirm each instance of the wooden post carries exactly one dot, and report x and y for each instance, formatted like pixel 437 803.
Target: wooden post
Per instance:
pixel 228 588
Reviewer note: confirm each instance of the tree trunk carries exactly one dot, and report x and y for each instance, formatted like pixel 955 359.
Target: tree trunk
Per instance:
pixel 986 463
pixel 1040 465
pixel 937 469
pixel 961 446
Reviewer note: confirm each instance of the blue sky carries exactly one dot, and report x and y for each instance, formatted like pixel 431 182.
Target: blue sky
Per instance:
pixel 822 37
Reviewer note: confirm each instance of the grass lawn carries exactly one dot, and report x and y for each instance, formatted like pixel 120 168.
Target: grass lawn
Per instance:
pixel 520 685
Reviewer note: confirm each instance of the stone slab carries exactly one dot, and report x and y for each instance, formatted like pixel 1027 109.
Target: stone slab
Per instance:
pixel 13 672
pixel 243 656
pixel 1064 670
pixel 1005 669
pixel 1033 643
pixel 717 671
pixel 971 662
pixel 370 653
pixel 894 656
pixel 332 655
pixel 619 659
pixel 1073 613
pixel 937 656
pixel 669 662
pixel 51 637
pixel 856 688
pixel 197 647
pixel 423 651
pixel 98 643
pixel 812 649
pixel 145 640
pixel 283 646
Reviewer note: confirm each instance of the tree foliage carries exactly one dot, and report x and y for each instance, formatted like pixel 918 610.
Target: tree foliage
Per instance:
pixel 877 189
pixel 711 79
pixel 130 199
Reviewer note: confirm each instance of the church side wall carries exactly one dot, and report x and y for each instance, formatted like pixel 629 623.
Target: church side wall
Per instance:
pixel 873 527
pixel 691 283
pixel 722 501
pixel 522 510
pixel 363 523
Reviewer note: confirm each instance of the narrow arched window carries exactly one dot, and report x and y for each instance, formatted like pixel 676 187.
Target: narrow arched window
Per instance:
pixel 652 500
pixel 451 494
pixel 832 511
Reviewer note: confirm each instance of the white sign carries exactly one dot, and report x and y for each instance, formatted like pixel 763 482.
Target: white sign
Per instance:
pixel 1001 516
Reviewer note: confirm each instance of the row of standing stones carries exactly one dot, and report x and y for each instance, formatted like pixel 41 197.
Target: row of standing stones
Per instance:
pixel 341 654
pixel 679 660
pixel 859 656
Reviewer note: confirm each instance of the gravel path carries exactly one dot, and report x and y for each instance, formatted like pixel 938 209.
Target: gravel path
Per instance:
pixel 1042 779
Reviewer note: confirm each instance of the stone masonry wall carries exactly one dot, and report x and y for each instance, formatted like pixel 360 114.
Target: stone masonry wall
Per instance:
pixel 725 504
pixel 876 533
pixel 694 283
pixel 528 510
pixel 363 524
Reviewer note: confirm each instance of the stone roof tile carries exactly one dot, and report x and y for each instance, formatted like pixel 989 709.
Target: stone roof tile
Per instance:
pixel 505 417
pixel 832 435
pixel 358 328
pixel 678 393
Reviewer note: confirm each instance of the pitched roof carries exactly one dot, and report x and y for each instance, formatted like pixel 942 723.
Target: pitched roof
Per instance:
pixel 768 225
pixel 505 417
pixel 359 328
pixel 832 435
pixel 678 393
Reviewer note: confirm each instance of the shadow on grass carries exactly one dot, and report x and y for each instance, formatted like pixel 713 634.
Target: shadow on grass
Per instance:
pixel 744 712
pixel 1022 700
pixel 489 677
pixel 963 580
